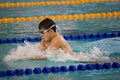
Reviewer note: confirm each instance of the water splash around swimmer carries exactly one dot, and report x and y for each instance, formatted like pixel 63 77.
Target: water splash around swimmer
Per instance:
pixel 30 50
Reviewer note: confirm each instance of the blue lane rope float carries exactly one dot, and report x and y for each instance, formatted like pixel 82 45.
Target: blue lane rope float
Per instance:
pixel 56 69
pixel 67 37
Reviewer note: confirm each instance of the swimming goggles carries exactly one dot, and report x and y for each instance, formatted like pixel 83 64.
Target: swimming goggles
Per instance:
pixel 43 32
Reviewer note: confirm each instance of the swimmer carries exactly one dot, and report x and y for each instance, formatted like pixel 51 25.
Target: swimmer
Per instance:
pixel 51 38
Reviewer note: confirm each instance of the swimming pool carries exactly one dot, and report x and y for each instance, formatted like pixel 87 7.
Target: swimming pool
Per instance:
pixel 107 47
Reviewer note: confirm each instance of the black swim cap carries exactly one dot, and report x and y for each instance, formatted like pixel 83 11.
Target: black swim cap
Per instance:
pixel 47 23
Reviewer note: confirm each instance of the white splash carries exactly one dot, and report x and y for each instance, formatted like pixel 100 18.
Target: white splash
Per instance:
pixel 24 52
pixel 30 50
pixel 94 55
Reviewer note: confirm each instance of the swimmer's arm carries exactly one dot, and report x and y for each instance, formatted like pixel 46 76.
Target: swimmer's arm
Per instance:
pixel 41 45
pixel 63 44
pixel 69 50
pixel 38 58
pixel 66 47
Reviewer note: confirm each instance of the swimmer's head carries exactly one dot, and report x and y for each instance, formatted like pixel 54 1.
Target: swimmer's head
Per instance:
pixel 47 24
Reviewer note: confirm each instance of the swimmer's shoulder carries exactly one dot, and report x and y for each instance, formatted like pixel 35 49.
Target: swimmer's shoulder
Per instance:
pixel 61 39
pixel 58 40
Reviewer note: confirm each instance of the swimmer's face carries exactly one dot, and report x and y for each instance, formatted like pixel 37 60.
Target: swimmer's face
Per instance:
pixel 45 34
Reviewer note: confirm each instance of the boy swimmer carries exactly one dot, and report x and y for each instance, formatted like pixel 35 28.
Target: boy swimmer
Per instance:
pixel 51 39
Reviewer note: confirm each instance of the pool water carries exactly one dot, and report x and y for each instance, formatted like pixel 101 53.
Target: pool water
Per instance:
pixel 104 45
pixel 109 48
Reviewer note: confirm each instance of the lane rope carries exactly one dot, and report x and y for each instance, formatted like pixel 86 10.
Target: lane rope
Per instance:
pixel 63 17
pixel 67 37
pixel 42 3
pixel 57 69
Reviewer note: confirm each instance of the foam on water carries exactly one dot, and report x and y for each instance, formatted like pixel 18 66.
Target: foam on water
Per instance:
pixel 31 50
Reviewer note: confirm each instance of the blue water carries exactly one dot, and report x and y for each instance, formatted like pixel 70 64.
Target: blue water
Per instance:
pixel 111 46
